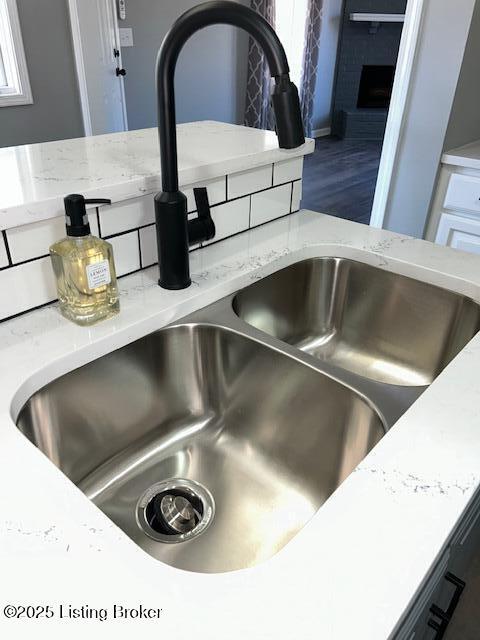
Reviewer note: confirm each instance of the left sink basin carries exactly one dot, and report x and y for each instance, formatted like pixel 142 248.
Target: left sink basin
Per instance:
pixel 208 429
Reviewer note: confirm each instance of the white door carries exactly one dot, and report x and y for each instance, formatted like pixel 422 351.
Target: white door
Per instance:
pixel 98 59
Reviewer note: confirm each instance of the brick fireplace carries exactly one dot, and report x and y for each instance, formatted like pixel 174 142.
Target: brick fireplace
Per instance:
pixel 365 70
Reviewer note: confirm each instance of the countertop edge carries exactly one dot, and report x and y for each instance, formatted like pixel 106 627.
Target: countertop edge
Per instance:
pixel 44 208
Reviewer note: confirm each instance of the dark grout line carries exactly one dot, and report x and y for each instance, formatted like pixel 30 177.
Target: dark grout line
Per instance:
pixel 98 222
pixel 22 262
pixel 124 233
pixel 7 248
pixel 139 248
pixel 130 273
pixel 22 313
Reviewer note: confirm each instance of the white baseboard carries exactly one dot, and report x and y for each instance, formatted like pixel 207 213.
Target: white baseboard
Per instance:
pixel 319 133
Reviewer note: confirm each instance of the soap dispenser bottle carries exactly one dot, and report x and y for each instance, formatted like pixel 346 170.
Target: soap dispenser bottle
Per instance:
pixel 84 268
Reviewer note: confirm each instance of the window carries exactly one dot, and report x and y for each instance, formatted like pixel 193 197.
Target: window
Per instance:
pixel 290 19
pixel 14 82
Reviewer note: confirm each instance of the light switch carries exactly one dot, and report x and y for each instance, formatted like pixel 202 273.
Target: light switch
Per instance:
pixel 126 37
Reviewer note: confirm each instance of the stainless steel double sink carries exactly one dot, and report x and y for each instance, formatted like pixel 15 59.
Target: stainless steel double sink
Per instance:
pixel 213 441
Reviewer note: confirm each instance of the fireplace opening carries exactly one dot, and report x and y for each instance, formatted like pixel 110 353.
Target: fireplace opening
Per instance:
pixel 376 85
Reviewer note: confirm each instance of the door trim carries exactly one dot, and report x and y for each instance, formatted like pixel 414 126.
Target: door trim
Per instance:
pixel 402 85
pixel 80 67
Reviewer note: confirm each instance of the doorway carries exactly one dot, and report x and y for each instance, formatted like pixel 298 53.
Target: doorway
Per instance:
pixel 353 163
pixel 373 63
pixel 98 61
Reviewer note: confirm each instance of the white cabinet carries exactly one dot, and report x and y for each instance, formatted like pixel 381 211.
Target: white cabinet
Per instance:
pixel 454 219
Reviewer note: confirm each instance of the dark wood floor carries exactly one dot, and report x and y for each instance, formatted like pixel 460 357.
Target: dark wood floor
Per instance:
pixel 339 178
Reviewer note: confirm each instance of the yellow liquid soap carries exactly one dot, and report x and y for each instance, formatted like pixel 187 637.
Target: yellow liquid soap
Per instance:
pixel 86 281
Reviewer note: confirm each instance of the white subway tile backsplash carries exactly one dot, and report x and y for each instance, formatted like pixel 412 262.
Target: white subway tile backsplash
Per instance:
pixel 245 182
pixel 287 170
pixel 123 216
pixel 3 252
pixel 28 285
pixel 126 252
pixel 216 190
pixel 34 240
pixel 148 246
pixel 129 227
pixel 270 204
pixel 139 212
pixel 296 195
pixel 230 218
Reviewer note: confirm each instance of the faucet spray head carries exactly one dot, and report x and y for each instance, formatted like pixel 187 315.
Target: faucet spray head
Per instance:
pixel 286 106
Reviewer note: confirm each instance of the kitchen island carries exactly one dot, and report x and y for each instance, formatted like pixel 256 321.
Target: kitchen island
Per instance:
pixel 362 567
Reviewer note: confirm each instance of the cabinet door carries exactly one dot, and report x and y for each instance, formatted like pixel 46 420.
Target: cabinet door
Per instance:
pixel 459 233
pixel 415 625
pixel 463 193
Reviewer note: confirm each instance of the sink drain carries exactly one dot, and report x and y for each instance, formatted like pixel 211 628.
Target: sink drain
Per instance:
pixel 175 510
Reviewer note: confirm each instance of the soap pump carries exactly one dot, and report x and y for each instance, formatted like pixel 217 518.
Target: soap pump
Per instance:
pixel 84 267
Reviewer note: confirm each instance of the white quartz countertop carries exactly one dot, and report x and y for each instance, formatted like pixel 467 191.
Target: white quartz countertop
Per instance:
pixel 467 156
pixel 36 177
pixel 351 572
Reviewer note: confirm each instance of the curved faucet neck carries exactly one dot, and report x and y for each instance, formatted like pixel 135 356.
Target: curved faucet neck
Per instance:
pixel 174 231
pixel 203 15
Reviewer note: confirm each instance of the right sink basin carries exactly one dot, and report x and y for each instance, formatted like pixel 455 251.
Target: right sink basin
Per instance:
pixel 378 324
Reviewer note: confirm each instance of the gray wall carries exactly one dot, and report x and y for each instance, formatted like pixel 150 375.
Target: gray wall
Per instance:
pixel 464 124
pixel 211 71
pixel 442 44
pixel 55 113
pixel 327 59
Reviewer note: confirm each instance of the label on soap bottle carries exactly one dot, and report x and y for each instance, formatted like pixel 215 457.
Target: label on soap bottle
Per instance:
pixel 98 274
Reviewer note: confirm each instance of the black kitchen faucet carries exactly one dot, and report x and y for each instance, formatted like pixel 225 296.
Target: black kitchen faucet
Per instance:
pixel 174 231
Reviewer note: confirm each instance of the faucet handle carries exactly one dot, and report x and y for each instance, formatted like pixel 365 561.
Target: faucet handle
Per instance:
pixel 201 200
pixel 203 227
